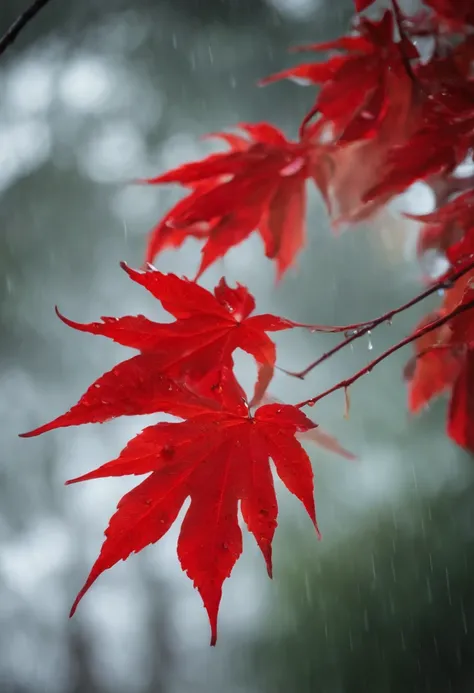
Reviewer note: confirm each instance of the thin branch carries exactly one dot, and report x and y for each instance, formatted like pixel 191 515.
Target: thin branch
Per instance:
pixel 344 384
pixel 19 24
pixel 363 328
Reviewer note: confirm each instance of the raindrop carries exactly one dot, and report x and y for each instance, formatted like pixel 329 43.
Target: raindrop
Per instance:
pixel 293 167
pixel 429 591
pixel 464 619
pixel 402 638
pixel 351 641
pixel 307 585
pixel 370 346
pixel 392 566
pixel 448 588
pixel 374 572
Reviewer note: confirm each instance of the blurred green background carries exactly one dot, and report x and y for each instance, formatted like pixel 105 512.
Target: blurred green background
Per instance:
pixel 95 94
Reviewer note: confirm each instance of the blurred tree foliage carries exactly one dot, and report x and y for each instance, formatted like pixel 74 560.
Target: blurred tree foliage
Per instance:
pixel 391 610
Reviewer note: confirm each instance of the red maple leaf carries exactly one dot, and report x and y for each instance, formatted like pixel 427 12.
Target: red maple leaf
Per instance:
pixel 436 148
pixel 445 362
pixel 259 184
pixel 366 108
pixel 218 457
pixel 443 128
pixel 448 81
pixel 435 366
pixel 207 330
pixel 357 88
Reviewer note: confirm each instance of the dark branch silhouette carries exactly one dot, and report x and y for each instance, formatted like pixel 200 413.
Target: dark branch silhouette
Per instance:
pixel 19 24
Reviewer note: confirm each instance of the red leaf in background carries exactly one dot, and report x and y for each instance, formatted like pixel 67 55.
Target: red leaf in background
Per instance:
pixel 218 457
pixel 207 330
pixel 356 90
pixel 461 409
pixel 446 362
pixel 448 81
pixel 367 106
pixel 462 251
pixel 259 183
pixel 447 224
pixel 435 368
pixel 457 13
pixel 362 5
pixel 459 210
pixel 444 126
pixel 462 325
pixel 348 171
pixel 439 358
pixel 437 147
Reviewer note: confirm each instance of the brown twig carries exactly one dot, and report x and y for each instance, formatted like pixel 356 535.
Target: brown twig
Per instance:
pixel 344 384
pixel 19 24
pixel 363 328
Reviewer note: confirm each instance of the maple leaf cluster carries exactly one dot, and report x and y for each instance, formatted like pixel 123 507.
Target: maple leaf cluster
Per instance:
pixel 384 117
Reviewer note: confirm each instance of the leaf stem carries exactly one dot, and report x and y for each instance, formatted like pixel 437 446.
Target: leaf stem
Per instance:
pixel 363 328
pixel 344 384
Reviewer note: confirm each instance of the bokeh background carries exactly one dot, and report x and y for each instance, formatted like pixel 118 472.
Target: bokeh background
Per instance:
pixel 91 96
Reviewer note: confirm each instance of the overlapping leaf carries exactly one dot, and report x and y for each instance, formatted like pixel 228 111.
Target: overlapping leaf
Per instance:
pixel 457 13
pixel 435 149
pixel 258 184
pixel 366 107
pixel 357 88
